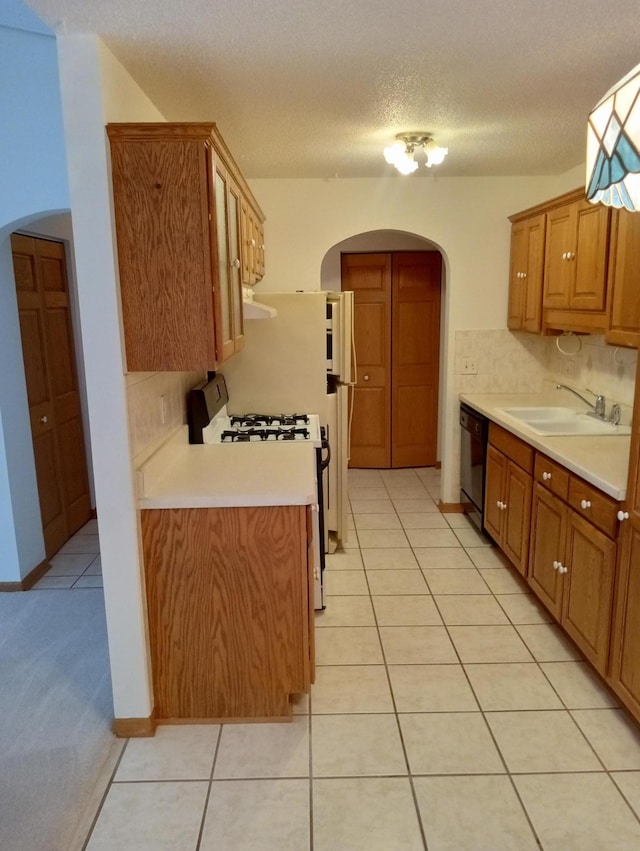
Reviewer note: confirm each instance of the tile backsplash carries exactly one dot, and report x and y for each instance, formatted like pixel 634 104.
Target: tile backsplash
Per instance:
pixel 508 362
pixel 151 420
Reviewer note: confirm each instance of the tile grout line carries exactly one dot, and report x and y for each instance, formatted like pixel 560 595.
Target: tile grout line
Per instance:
pixel 209 789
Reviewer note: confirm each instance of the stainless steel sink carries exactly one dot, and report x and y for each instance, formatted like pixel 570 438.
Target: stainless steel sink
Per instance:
pixel 553 420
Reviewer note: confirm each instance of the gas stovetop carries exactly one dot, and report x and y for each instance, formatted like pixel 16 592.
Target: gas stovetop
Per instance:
pixel 262 428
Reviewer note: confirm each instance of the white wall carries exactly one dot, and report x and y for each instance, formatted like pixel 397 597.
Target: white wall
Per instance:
pixel 33 177
pixel 96 89
pixel 466 218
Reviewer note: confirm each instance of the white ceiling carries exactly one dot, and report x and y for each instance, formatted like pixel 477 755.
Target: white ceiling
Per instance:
pixel 316 88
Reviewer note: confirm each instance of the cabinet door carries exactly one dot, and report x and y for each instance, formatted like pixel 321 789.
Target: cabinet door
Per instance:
pixel 517 271
pixel 235 263
pixel 625 637
pixel 494 496
pixel 532 315
pixel 223 293
pixel 588 589
pixel 248 245
pixel 559 266
pixel 592 249
pixel 548 537
pixel 624 280
pixel 517 514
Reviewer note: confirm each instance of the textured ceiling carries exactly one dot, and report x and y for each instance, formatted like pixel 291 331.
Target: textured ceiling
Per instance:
pixel 316 89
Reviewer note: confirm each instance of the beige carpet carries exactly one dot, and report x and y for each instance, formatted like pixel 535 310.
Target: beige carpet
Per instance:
pixel 55 715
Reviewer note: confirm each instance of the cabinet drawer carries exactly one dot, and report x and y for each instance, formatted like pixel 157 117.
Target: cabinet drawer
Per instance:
pixel 511 446
pixel 554 477
pixel 594 506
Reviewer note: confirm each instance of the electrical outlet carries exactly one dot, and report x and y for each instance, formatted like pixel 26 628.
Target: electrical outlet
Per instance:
pixel 469 366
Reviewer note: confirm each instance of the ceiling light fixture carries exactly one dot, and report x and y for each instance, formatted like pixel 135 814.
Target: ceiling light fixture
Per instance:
pixel 400 154
pixel 613 146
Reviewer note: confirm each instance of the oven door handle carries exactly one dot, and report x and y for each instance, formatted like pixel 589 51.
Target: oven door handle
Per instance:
pixel 325 445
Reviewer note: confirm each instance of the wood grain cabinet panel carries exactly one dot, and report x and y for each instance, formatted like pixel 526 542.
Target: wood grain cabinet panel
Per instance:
pixel 525 273
pixel 624 280
pixel 576 257
pixel 624 674
pixel 230 607
pixel 507 514
pixel 178 238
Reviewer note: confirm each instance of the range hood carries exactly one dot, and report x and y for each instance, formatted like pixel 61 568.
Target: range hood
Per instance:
pixel 254 309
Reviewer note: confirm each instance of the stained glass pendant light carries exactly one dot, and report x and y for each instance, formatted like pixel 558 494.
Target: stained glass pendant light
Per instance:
pixel 613 146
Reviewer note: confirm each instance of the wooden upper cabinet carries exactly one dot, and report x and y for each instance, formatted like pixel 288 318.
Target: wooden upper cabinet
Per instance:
pixel 575 270
pixel 624 280
pixel 176 233
pixel 525 275
pixel 252 230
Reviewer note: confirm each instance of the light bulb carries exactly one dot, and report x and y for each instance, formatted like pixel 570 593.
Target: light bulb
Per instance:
pixel 394 153
pixel 435 154
pixel 406 165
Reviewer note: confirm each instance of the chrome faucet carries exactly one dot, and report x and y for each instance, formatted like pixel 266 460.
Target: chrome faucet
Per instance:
pixel 598 407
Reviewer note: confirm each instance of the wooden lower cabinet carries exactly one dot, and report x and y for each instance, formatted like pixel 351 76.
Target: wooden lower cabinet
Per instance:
pixel 508 496
pixel 572 571
pixel 624 675
pixel 230 610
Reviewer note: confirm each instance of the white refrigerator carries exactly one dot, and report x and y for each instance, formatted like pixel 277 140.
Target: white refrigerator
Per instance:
pixel 301 361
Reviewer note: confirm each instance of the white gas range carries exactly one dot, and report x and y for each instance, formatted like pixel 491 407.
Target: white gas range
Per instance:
pixel 211 424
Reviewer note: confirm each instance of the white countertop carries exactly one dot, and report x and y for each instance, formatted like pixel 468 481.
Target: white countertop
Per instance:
pixel 601 460
pixel 182 475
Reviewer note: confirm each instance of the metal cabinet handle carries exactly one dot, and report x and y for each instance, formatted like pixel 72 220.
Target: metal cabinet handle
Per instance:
pixel 366 377
pixel 44 419
pixel 585 504
pixel 546 476
pixel 556 565
pixel 499 505
pixel 236 263
pixel 562 568
pixel 623 515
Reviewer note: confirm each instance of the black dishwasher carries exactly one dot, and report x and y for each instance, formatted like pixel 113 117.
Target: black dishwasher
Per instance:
pixel 473 456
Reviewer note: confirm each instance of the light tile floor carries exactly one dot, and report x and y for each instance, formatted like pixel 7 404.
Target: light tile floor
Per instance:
pixel 77 564
pixel 448 714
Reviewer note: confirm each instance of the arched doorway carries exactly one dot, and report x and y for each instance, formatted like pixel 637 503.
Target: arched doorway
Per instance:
pixel 396 279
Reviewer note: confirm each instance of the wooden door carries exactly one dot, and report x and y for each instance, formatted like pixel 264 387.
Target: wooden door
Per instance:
pixel 517 516
pixel 625 636
pixel 592 251
pixel 52 387
pixel 495 473
pixel 588 589
pixel 624 280
pixel 369 276
pixel 559 269
pixel 548 537
pixel 415 335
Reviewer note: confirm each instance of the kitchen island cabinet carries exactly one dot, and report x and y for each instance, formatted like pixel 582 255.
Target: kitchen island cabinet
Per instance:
pixel 230 607
pixel 177 194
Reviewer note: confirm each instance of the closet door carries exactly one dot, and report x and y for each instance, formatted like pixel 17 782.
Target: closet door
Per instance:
pixel 415 334
pixel 369 276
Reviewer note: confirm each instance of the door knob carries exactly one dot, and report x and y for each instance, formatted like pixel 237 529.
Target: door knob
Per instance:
pixel 546 476
pixel 43 419
pixel 585 503
pixel 366 377
pixel 623 515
